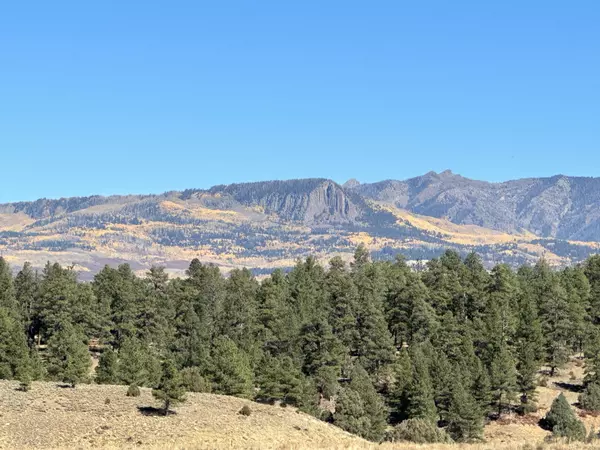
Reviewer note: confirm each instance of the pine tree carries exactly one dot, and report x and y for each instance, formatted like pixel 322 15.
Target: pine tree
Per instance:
pixel 26 292
pixel 7 289
pixel 562 420
pixel 320 348
pixel 503 379
pixel 238 318
pixel 137 365
pixel 107 371
pixel 231 370
pixel 156 312
pixel 577 288
pixel 591 269
pixel 280 380
pixel 556 325
pixel 375 347
pixel 68 356
pixel 119 289
pixel 589 399
pixel 360 409
pixel 170 388
pixel 465 422
pixel 420 393
pixel 58 294
pixel 191 343
pixel 342 300
pixel 401 380
pixel 481 388
pixel 14 353
pixel 529 351
pixel 274 313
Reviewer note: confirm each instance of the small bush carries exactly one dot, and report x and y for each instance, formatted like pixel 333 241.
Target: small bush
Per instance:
pixel 245 411
pixel 543 382
pixel 572 376
pixel 133 391
pixel 528 408
pixel 589 399
pixel 419 431
pixel 563 422
pixel 193 381
pixel 107 401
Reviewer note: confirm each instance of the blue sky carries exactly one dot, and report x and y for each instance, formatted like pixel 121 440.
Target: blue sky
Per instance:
pixel 148 96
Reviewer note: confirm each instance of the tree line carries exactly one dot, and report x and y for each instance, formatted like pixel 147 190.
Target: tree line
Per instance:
pixel 374 347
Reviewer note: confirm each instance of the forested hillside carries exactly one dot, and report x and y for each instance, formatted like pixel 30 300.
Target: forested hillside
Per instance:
pixel 375 347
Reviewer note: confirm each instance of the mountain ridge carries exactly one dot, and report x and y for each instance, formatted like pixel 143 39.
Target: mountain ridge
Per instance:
pixel 269 224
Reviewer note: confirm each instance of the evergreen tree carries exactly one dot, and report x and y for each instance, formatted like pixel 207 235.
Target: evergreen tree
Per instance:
pixel 562 420
pixel 170 388
pixel 279 379
pixel 503 379
pixel 14 353
pixel 556 324
pixel 137 364
pixel 231 370
pixel 589 399
pixel 529 351
pixel 275 316
pixel 58 294
pixel 360 409
pixel 375 347
pixel 465 421
pixel 481 388
pixel 398 391
pixel 68 356
pixel 577 288
pixel 342 298
pixel 238 318
pixel 7 289
pixel 420 393
pixel 191 343
pixel 107 371
pixel 26 292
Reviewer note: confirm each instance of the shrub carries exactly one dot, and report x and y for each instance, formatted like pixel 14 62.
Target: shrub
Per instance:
pixel 420 431
pixel 572 376
pixel 107 401
pixel 193 381
pixel 133 391
pixel 562 421
pixel 543 382
pixel 589 399
pixel 245 411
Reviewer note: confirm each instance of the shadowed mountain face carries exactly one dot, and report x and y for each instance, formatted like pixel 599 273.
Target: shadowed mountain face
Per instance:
pixel 270 224
pixel 558 207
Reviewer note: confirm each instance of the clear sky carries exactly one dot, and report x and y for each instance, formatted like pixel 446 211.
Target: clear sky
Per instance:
pixel 147 96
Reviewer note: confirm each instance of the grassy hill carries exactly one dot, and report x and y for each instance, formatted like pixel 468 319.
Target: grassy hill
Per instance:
pixel 50 416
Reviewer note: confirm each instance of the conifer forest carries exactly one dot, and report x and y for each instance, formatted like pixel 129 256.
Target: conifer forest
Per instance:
pixel 382 349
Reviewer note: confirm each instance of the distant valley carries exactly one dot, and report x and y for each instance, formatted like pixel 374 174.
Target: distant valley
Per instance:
pixel 271 224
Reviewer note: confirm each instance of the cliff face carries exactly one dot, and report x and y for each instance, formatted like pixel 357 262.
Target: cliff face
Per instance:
pixel 311 201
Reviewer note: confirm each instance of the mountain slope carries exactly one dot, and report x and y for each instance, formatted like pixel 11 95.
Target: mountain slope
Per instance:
pixel 558 207
pixel 270 224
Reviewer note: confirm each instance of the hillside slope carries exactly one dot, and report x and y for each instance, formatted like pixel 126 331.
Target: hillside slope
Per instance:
pixel 270 224
pixel 557 207
pixel 100 416
pixel 53 417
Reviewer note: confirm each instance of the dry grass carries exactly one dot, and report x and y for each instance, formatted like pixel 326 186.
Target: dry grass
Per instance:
pixel 102 416
pixel 54 417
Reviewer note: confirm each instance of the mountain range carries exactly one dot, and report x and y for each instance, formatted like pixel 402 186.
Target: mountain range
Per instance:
pixel 270 224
